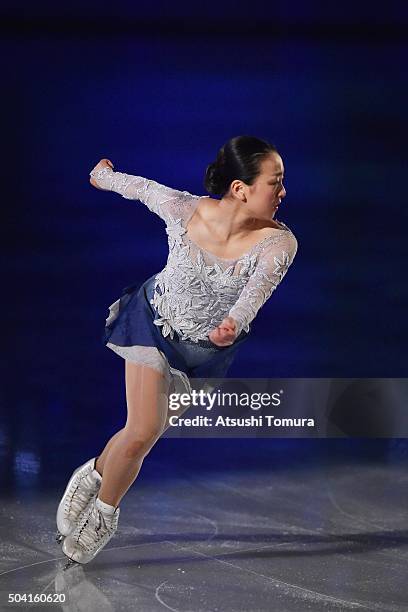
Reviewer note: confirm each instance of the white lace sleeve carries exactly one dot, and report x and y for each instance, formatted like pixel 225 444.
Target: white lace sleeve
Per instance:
pixel 163 201
pixel 272 266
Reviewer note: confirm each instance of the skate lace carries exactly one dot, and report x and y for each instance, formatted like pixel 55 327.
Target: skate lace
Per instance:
pixel 83 490
pixel 94 528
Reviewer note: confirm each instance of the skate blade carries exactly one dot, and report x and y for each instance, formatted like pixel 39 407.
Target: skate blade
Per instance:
pixel 70 563
pixel 59 537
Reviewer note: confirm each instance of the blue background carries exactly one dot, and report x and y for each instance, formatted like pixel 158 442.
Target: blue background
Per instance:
pixel 158 89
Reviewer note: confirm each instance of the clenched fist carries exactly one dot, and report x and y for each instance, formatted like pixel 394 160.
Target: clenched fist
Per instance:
pixel 104 163
pixel 225 333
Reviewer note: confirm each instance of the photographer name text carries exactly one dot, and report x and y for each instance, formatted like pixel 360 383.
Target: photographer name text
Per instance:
pixel 253 421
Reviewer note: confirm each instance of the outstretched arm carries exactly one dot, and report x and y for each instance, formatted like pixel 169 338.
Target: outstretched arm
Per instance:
pixel 269 272
pixel 159 199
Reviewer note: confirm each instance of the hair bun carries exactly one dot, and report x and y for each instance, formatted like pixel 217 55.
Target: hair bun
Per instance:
pixel 214 182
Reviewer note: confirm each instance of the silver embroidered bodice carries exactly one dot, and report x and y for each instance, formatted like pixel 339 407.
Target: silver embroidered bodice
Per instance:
pixel 196 289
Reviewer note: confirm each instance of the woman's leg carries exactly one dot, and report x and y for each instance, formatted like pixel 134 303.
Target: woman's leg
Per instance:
pixel 178 412
pixel 147 403
pixel 100 462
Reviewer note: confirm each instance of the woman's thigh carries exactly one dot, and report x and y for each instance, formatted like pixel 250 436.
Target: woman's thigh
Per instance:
pixel 147 400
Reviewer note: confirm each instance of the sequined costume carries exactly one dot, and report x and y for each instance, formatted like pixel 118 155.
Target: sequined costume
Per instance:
pixel 196 289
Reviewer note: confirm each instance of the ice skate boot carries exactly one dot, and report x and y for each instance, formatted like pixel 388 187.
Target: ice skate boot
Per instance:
pixel 96 526
pixel 82 487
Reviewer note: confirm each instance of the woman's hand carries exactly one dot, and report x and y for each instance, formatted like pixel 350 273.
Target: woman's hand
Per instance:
pixel 225 333
pixel 104 163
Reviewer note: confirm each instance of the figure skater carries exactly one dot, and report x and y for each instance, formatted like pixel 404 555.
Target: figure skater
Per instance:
pixel 226 257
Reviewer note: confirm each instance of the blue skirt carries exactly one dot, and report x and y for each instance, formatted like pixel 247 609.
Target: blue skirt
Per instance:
pixel 132 324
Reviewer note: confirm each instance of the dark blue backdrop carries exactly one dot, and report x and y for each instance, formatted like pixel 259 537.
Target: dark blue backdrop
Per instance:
pixel 158 89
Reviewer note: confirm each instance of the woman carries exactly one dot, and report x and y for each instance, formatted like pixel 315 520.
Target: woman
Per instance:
pixel 226 257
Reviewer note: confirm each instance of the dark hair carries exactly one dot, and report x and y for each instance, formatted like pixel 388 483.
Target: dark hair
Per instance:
pixel 239 158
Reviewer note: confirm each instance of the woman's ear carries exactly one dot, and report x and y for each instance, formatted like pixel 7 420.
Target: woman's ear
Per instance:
pixel 237 189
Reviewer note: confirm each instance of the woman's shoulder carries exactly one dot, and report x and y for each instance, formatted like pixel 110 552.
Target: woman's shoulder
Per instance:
pixel 272 225
pixel 280 238
pixel 278 230
pixel 207 208
pixel 208 202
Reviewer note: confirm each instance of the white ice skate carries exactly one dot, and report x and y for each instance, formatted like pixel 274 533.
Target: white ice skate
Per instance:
pixel 94 530
pixel 82 487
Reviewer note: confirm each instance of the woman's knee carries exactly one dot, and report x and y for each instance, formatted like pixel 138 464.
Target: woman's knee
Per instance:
pixel 138 444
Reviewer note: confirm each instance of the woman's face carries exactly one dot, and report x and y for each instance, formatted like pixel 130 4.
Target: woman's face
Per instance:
pixel 267 191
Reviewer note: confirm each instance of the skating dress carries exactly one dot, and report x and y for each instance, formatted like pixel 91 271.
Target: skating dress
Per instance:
pixel 164 322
